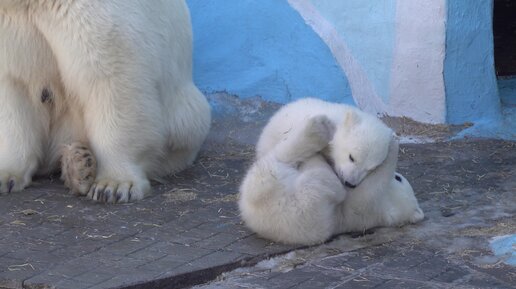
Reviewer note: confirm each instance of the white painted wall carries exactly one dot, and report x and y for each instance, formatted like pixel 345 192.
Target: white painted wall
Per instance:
pixel 417 81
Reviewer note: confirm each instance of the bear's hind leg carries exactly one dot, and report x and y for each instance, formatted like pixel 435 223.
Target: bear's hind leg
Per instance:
pixel 189 119
pixel 307 141
pixel 21 136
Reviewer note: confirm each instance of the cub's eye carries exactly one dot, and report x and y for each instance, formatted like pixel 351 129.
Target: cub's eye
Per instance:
pixel 351 159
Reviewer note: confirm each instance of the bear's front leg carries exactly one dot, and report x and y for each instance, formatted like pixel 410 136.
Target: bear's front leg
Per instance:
pixel 305 141
pixel 126 133
pixel 21 133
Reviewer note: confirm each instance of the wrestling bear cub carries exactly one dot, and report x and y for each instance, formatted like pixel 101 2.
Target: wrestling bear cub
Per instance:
pixel 323 168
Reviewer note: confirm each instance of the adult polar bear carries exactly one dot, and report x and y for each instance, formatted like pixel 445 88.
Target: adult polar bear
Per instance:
pixel 116 75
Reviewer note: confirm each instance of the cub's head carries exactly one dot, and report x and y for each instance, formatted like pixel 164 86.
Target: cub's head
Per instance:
pixel 401 184
pixel 360 144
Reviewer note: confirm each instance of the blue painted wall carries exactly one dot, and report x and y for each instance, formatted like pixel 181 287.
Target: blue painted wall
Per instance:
pixel 471 87
pixel 265 48
pixel 368 28
pixel 262 48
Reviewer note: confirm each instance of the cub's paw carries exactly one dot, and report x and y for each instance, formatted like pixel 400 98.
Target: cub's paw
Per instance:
pixel 10 183
pixel 320 128
pixel 110 191
pixel 417 216
pixel 78 168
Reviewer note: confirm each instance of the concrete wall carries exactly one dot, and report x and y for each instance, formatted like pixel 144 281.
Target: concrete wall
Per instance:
pixel 471 86
pixel 392 52
pixel 430 60
pixel 262 48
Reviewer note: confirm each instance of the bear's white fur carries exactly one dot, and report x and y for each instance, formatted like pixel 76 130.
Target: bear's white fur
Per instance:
pixel 116 75
pixel 353 159
pixel 295 192
pixel 290 194
pixel 383 199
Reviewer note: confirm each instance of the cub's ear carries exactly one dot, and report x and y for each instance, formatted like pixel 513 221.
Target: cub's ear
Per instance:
pixel 394 144
pixel 351 119
pixel 395 137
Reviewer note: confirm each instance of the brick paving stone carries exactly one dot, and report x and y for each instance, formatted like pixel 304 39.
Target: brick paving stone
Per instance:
pixel 162 266
pixel 420 266
pixel 226 226
pixel 486 281
pixel 348 262
pixel 180 252
pixel 93 277
pixel 166 236
pixel 253 245
pixel 321 279
pixel 72 284
pixel 11 283
pixel 406 284
pixel 147 254
pixel 217 241
pixel 219 257
pixel 43 279
pixel 362 281
pixel 451 274
pixel 127 246
pixel 191 236
pixel 283 280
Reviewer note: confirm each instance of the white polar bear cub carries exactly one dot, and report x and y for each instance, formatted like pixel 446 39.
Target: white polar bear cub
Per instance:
pixel 360 143
pixel 383 199
pixel 309 157
pixel 114 75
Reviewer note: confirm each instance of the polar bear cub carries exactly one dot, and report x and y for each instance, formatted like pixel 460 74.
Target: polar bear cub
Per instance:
pixel 360 143
pixel 383 199
pixel 310 157
pixel 290 194
pixel 113 77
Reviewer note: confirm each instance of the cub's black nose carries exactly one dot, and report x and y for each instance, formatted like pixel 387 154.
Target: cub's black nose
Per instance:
pixel 349 185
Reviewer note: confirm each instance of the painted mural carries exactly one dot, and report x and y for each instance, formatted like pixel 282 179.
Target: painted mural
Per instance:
pixel 429 60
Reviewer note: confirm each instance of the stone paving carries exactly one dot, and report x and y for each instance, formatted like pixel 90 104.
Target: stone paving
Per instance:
pixel 191 223
pixel 188 231
pixel 468 192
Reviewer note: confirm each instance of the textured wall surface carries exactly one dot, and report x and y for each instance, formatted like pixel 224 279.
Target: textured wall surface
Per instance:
pixel 262 48
pixel 471 87
pixel 430 60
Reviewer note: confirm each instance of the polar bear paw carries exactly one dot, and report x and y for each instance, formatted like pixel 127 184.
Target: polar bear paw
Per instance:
pixel 320 129
pixel 10 183
pixel 111 191
pixel 78 168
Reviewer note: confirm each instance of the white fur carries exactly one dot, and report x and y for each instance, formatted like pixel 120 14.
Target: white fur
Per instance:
pixel 289 194
pixel 292 195
pixel 120 73
pixel 370 137
pixel 380 200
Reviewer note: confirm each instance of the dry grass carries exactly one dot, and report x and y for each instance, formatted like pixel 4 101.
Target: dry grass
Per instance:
pixel 502 227
pixel 405 126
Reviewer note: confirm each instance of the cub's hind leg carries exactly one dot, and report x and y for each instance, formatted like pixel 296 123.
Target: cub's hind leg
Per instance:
pixel 301 144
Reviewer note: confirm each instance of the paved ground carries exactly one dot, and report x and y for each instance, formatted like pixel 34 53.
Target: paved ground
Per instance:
pixel 189 233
